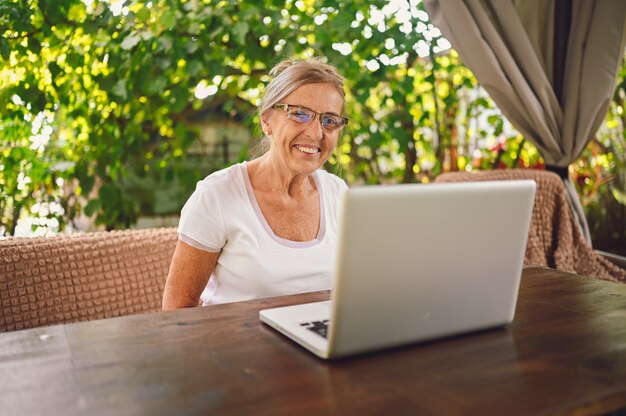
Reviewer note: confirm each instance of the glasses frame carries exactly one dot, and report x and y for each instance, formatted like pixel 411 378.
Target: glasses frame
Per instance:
pixel 287 107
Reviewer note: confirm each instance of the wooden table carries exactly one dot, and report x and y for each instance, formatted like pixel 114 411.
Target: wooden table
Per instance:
pixel 564 353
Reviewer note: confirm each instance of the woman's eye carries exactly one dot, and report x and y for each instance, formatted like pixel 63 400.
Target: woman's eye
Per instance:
pixel 329 121
pixel 301 116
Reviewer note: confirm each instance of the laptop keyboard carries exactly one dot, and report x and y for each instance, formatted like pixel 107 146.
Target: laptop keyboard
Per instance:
pixel 319 327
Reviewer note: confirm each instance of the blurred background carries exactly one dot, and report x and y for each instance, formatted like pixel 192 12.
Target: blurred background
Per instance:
pixel 113 110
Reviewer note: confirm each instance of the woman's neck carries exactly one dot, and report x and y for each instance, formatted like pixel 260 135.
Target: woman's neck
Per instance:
pixel 268 176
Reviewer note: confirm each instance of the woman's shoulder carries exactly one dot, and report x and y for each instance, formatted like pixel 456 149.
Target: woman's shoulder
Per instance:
pixel 334 182
pixel 223 178
pixel 331 179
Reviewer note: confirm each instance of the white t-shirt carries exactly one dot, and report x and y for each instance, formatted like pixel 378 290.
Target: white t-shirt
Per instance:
pixel 223 214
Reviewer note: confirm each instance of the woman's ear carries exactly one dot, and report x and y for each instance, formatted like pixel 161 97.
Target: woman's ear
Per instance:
pixel 265 125
pixel 268 131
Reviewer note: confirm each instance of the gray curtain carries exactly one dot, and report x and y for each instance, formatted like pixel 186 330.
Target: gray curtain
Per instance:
pixel 550 66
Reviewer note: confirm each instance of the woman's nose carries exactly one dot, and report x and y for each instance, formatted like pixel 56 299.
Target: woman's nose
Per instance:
pixel 314 128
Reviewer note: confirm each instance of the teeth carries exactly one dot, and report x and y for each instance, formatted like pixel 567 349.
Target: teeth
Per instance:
pixel 309 150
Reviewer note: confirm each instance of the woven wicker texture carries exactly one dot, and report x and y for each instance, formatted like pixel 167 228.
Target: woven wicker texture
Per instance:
pixel 52 280
pixel 555 239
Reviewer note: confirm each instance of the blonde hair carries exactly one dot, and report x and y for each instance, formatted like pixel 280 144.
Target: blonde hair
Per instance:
pixel 291 74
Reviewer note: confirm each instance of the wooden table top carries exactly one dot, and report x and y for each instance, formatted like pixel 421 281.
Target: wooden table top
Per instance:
pixel 564 353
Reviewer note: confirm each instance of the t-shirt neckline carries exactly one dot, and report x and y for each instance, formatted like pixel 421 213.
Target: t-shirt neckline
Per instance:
pixel 257 210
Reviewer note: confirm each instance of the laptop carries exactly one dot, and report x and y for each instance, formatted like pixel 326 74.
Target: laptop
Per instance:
pixel 416 263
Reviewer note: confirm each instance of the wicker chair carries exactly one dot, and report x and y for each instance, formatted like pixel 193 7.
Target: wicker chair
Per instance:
pixel 53 280
pixel 555 239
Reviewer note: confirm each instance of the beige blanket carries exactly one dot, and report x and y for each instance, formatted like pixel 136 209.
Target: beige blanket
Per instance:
pixel 51 280
pixel 555 239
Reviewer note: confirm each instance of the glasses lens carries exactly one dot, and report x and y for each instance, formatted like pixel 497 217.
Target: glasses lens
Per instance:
pixel 331 122
pixel 301 115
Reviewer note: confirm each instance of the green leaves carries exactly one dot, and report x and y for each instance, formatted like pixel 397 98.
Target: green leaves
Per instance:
pixel 143 14
pixel 154 86
pixel 168 19
pixel 117 90
pixel 130 41
pixel 194 67
pixel 92 207
pixel 240 31
pixel 5 48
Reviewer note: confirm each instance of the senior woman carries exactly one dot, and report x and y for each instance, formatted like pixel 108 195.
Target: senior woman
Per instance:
pixel 268 227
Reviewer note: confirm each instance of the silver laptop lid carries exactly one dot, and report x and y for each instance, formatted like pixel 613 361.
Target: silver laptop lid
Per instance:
pixel 417 262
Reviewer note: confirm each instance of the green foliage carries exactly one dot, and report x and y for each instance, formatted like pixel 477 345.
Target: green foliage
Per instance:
pixel 117 88
pixel 600 176
pixel 114 86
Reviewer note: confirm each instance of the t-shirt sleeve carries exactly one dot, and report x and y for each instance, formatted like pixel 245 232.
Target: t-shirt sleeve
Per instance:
pixel 338 186
pixel 334 187
pixel 201 220
pixel 342 185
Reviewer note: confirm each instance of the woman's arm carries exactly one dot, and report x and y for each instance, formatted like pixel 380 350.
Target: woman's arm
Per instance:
pixel 188 276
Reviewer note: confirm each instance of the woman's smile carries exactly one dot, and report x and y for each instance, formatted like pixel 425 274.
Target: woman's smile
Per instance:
pixel 311 150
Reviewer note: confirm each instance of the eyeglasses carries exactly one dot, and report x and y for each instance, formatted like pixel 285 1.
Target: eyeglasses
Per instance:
pixel 303 115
